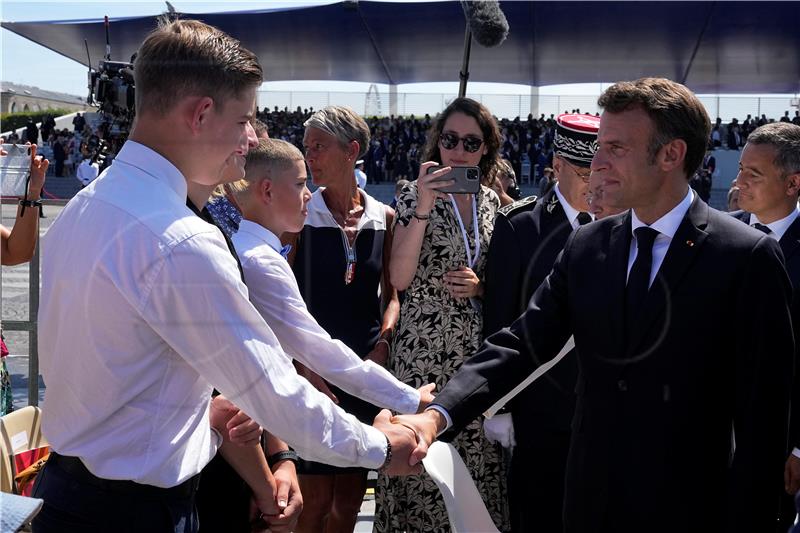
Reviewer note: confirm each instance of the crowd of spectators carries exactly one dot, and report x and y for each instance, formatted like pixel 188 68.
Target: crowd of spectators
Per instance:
pixel 397 142
pixel 64 147
pixel 733 135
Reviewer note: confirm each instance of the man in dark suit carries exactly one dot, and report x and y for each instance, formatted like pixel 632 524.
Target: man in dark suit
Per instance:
pixel 652 444
pixel 769 182
pixel 527 237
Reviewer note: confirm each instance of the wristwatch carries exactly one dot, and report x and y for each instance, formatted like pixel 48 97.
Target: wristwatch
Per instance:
pixel 30 203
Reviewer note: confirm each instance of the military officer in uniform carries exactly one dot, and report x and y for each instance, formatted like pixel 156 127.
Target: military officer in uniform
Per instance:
pixel 528 235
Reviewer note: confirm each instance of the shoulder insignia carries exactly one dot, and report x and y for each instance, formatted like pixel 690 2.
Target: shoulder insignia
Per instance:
pixel 552 204
pixel 511 208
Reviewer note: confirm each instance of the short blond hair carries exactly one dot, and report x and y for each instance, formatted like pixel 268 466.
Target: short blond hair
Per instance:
pixel 343 124
pixel 270 157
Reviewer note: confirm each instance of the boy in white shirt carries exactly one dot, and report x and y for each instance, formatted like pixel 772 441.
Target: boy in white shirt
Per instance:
pixel 273 198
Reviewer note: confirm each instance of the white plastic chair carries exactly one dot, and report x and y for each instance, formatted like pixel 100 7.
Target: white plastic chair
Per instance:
pixel 20 431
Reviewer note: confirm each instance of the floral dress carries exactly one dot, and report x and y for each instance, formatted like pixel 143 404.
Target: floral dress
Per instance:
pixel 435 335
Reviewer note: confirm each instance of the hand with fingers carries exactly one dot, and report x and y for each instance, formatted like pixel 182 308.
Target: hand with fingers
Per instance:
pixel 234 425
pixel 428 186
pixel 38 172
pixel 288 499
pixel 406 456
pixel 426 396
pixel 425 426
pixel 463 283
pixel 243 430
pixel 263 506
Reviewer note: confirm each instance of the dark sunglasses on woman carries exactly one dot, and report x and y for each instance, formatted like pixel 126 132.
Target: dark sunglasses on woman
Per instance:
pixel 450 140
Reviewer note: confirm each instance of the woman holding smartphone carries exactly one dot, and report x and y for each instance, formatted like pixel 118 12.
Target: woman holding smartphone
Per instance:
pixel 438 259
pixel 17 246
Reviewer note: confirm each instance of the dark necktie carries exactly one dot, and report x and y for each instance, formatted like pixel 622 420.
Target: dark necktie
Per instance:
pixel 762 227
pixel 584 218
pixel 639 277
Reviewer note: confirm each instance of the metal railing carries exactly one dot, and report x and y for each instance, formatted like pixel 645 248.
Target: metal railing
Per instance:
pixel 31 325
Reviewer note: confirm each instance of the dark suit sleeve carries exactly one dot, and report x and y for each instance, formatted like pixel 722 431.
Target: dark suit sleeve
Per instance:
pixel 512 354
pixel 502 292
pixel 764 364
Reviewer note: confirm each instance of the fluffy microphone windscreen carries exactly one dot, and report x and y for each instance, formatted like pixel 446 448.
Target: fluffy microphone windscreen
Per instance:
pixel 486 21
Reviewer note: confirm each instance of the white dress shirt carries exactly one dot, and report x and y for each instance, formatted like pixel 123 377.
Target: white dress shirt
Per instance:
pixel 142 311
pixel 571 212
pixel 274 292
pixel 666 226
pixel 778 227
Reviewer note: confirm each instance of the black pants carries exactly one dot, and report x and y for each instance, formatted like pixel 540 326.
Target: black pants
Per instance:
pixel 82 503
pixel 536 481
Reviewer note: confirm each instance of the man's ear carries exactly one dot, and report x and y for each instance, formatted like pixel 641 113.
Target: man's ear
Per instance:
pixel 793 184
pixel 557 165
pixel 672 155
pixel 199 110
pixel 265 191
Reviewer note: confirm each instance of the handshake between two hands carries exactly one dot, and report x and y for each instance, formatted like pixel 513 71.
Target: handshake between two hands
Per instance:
pixel 410 435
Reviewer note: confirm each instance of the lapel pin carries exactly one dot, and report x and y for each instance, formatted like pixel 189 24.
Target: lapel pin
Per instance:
pixel 690 243
pixel 552 204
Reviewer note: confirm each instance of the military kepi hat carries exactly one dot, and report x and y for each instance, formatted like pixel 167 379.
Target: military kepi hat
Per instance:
pixel 576 138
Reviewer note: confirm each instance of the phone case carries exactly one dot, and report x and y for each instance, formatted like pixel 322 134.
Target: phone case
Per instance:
pixel 14 169
pixel 467 179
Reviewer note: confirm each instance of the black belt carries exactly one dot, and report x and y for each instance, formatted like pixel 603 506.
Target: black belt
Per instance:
pixel 76 468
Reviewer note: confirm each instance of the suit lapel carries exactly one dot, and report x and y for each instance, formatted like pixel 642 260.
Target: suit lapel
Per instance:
pixel 682 251
pixel 791 240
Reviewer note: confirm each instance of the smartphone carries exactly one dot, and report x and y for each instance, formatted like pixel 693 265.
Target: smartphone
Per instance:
pixel 467 179
pixel 14 167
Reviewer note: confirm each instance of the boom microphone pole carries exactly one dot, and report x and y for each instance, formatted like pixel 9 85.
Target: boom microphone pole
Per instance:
pixel 487 23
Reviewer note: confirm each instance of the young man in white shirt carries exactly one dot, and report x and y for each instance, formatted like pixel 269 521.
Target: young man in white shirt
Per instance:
pixel 143 311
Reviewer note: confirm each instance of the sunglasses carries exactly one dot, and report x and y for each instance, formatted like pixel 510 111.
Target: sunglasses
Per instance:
pixel 450 140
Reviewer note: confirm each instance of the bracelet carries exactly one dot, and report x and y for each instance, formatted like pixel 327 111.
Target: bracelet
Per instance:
pixel 30 203
pixel 285 455
pixel 385 466
pixel 420 217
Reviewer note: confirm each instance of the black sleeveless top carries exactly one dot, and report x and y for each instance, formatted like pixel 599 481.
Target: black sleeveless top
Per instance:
pixel 349 311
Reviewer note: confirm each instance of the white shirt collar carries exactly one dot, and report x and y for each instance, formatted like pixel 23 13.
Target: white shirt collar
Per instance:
pixel 571 212
pixel 778 227
pixel 154 165
pixel 668 224
pixel 319 215
pixel 261 233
